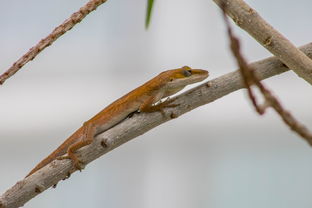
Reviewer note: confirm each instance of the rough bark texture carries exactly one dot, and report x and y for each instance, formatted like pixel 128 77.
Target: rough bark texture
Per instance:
pixel 249 20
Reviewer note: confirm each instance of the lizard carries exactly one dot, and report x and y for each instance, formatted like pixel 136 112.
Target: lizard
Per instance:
pixel 145 98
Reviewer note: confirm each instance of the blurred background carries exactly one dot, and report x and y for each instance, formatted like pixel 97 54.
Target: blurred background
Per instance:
pixel 222 155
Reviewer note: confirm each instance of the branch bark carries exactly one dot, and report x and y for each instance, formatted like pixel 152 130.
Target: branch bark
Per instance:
pixel 248 19
pixel 137 125
pixel 53 36
pixel 250 79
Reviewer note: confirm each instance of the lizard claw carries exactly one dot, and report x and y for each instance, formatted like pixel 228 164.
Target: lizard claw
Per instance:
pixel 78 164
pixel 167 104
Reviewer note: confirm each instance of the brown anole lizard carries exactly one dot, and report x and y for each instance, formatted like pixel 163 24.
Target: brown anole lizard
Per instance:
pixel 142 99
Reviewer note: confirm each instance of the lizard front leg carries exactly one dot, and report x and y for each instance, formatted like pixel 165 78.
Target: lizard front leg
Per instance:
pixel 148 106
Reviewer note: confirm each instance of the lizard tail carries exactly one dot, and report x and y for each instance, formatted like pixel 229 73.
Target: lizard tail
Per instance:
pixel 61 150
pixel 43 163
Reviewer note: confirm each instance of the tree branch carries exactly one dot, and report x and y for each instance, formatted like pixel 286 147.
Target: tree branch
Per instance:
pixel 248 19
pixel 250 79
pixel 53 36
pixel 137 125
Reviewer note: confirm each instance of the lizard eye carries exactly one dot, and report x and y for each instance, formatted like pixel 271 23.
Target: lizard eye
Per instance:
pixel 187 73
pixel 171 79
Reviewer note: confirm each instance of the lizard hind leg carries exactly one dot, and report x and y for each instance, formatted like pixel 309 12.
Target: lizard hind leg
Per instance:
pixel 88 135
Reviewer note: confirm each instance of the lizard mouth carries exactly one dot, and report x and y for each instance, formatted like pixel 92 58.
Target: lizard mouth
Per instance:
pixel 200 73
pixel 197 75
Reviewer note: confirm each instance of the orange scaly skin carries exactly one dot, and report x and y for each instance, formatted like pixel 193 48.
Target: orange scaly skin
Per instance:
pixel 140 99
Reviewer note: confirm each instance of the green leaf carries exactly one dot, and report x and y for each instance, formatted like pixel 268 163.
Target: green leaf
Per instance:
pixel 149 8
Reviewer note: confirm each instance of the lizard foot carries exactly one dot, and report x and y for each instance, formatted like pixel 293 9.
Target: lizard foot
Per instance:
pixel 78 164
pixel 166 104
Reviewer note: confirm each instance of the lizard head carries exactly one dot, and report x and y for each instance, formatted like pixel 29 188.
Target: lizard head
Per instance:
pixel 177 79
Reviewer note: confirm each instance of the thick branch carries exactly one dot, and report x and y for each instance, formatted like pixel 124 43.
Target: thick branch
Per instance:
pixel 249 20
pixel 137 125
pixel 55 34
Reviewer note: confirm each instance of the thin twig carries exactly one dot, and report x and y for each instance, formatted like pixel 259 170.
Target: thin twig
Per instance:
pixel 250 78
pixel 55 34
pixel 248 19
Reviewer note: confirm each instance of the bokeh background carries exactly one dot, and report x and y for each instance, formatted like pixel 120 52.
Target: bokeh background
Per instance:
pixel 222 155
